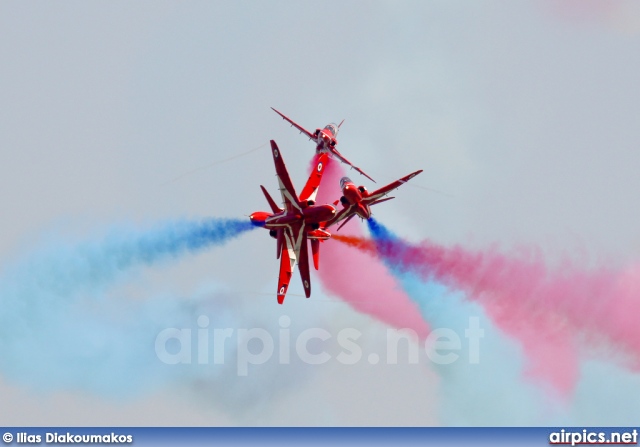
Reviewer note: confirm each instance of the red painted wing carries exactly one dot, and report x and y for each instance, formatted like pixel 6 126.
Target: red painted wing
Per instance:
pixel 340 215
pixel 297 126
pixel 284 277
pixel 338 155
pixel 289 197
pixel 303 265
pixel 375 195
pixel 294 237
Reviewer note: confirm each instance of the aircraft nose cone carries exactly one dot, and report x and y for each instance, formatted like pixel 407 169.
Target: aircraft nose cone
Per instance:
pixel 258 217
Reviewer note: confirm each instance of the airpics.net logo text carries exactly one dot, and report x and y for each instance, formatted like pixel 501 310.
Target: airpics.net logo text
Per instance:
pixel 314 346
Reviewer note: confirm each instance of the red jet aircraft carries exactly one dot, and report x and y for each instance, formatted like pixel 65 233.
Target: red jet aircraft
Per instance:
pixel 296 223
pixel 325 140
pixel 356 201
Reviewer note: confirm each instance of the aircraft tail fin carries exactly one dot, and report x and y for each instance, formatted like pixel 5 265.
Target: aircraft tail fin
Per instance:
pixel 274 208
pixel 310 189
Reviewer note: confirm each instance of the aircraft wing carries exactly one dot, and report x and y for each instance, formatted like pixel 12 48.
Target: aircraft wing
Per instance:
pixel 303 264
pixel 310 190
pixel 289 197
pixel 340 215
pixel 377 194
pixel 287 261
pixel 294 249
pixel 296 125
pixel 338 155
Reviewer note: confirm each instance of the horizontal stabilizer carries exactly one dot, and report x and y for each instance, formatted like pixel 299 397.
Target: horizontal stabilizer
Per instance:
pixel 381 200
pixel 345 222
pixel 315 251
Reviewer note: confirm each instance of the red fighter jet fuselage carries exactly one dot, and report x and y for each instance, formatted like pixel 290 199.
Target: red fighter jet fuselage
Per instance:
pixel 325 139
pixel 312 216
pixel 357 200
pixel 297 222
pixel 352 195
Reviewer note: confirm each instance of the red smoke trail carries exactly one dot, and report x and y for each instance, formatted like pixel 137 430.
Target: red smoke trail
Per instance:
pixel 361 281
pixel 366 245
pixel 547 310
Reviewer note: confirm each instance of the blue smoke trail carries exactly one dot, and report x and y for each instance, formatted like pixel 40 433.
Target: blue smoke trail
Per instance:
pixel 490 392
pixel 61 328
pixel 65 268
pixel 380 232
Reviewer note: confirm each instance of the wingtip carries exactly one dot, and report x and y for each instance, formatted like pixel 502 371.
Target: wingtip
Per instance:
pixel 279 113
pixel 361 172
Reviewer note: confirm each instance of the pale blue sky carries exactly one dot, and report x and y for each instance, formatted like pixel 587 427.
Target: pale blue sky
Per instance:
pixel 526 116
